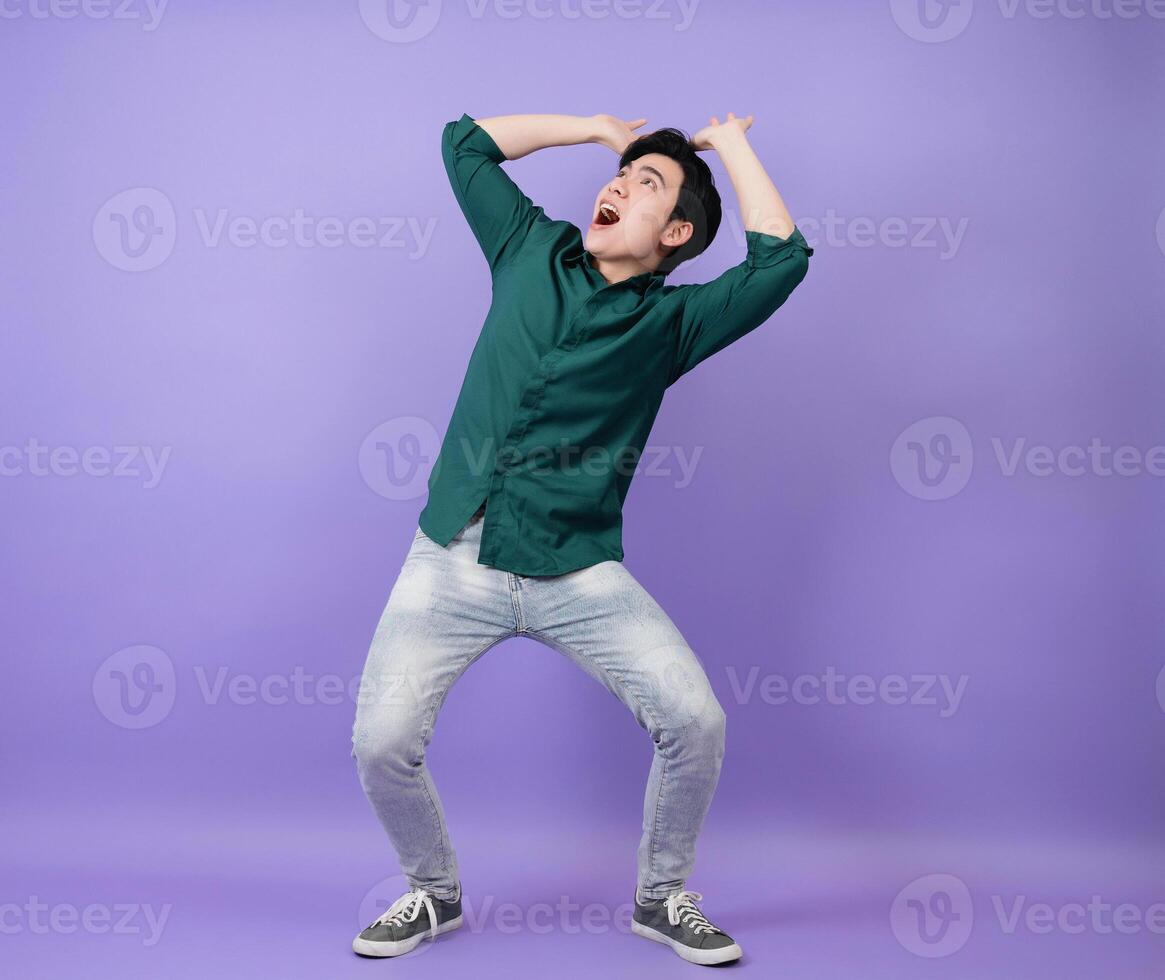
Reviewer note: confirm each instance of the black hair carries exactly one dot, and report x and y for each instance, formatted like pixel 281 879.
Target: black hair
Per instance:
pixel 698 200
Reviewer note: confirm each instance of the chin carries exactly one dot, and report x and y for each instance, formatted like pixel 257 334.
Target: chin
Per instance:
pixel 602 244
pixel 593 243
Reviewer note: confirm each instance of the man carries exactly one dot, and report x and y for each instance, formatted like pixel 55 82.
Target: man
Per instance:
pixel 521 533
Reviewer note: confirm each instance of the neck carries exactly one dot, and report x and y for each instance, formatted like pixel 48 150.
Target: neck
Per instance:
pixel 618 270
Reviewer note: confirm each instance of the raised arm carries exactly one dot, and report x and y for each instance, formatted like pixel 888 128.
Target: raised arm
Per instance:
pixel 761 206
pixel 500 215
pixel 523 134
pixel 719 312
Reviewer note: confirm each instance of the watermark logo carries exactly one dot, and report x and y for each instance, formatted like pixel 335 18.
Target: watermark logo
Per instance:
pixel 405 21
pixel 933 916
pixel 135 230
pixel 395 458
pixel 932 21
pixel 677 685
pixel 399 457
pixel 1161 689
pixel 135 687
pixel 1161 231
pixel 400 21
pixel 941 20
pixel 933 458
pixel 379 899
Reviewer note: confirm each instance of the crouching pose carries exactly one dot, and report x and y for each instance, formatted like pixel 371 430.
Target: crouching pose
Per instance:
pixel 521 534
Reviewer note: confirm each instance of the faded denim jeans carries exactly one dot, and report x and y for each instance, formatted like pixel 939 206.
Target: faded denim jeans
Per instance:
pixel 445 611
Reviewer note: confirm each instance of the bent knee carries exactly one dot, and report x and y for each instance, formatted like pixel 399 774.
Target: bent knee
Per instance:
pixel 711 724
pixel 702 732
pixel 393 747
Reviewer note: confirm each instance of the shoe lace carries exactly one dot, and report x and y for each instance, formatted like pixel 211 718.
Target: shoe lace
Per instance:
pixel 682 910
pixel 408 907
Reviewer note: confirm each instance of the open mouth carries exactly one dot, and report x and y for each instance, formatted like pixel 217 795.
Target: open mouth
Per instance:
pixel 608 214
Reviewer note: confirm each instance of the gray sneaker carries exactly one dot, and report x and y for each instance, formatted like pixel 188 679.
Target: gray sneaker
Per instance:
pixel 402 927
pixel 677 921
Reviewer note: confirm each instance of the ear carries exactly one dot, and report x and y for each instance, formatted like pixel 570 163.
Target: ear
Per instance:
pixel 676 233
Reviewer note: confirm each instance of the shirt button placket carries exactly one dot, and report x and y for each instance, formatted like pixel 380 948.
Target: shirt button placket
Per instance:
pixel 528 409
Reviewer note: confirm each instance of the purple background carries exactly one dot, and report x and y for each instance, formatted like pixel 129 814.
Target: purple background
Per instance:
pixel 266 549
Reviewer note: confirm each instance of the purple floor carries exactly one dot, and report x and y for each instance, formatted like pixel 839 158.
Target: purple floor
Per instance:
pixel 284 896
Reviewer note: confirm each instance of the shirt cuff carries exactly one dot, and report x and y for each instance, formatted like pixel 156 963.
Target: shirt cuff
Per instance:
pixel 466 132
pixel 765 249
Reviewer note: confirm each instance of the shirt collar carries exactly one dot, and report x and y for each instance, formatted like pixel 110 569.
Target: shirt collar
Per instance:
pixel 641 281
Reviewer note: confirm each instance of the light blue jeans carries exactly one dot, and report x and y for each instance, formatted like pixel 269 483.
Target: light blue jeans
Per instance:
pixel 445 610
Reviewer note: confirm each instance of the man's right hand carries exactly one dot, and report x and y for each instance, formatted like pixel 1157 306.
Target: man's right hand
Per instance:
pixel 615 133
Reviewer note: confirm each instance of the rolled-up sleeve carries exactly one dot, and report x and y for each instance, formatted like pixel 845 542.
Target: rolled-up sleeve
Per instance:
pixel 716 313
pixel 497 211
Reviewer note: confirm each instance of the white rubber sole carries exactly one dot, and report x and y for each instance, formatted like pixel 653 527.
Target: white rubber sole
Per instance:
pixel 366 947
pixel 703 957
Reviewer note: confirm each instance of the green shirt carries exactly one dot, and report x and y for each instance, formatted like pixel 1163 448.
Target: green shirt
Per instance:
pixel 568 372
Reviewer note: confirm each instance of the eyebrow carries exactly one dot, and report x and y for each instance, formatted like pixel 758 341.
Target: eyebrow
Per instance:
pixel 647 166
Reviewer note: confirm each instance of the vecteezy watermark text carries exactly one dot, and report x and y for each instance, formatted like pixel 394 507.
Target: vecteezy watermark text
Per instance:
pixel 143 463
pixel 565 915
pixel 832 687
pixel 147 12
pixel 63 918
pixel 940 234
pixel 301 230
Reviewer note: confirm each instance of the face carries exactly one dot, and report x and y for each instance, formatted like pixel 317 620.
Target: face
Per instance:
pixel 630 219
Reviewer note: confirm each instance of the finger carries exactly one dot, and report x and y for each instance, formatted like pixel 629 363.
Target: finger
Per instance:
pixel 635 123
pixel 715 121
pixel 732 115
